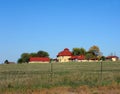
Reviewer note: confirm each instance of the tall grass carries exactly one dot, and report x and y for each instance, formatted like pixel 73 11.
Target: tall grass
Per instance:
pixel 35 76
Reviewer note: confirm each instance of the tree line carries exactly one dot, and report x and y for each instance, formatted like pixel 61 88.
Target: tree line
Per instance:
pixel 26 56
pixel 92 53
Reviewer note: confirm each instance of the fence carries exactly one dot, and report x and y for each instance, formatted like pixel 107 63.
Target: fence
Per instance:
pixel 59 74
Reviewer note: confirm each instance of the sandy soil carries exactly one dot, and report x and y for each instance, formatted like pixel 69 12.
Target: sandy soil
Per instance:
pixel 69 90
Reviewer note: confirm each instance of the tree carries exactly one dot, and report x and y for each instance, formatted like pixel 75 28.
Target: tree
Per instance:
pixel 89 56
pixel 42 54
pixel 26 56
pixel 20 60
pixel 33 55
pixel 95 50
pixel 103 58
pixel 82 51
pixel 78 51
pixel 6 62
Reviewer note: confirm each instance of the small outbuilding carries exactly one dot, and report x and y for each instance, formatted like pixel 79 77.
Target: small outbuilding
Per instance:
pixel 112 58
pixel 39 60
pixel 80 58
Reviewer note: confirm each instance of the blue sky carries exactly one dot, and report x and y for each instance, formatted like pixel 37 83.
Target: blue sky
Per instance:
pixel 52 25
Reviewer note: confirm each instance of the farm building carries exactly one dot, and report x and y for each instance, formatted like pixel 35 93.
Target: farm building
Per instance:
pixel 39 60
pixel 66 56
pixel 80 58
pixel 112 58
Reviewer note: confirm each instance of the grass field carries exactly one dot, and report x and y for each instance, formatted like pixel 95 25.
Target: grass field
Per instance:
pixel 22 78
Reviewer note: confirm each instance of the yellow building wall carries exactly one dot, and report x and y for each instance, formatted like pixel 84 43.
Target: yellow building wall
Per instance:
pixel 114 59
pixel 63 58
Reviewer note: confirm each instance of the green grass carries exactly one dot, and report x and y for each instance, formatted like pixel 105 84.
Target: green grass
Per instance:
pixel 73 74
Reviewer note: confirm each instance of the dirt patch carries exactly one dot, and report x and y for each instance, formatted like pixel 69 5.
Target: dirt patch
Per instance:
pixel 69 90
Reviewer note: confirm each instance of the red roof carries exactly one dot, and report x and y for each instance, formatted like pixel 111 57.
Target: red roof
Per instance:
pixel 65 52
pixel 110 57
pixel 41 59
pixel 81 57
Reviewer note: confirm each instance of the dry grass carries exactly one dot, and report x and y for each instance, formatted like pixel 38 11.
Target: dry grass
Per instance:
pixel 66 78
pixel 112 89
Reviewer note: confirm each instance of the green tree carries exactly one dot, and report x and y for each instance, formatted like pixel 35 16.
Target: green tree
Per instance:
pixel 24 58
pixel 95 50
pixel 78 51
pixel 20 60
pixel 33 55
pixel 6 62
pixel 103 58
pixel 42 54
pixel 82 51
pixel 89 55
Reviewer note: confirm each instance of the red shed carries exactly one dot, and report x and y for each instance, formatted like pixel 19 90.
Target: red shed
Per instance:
pixel 39 59
pixel 80 57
